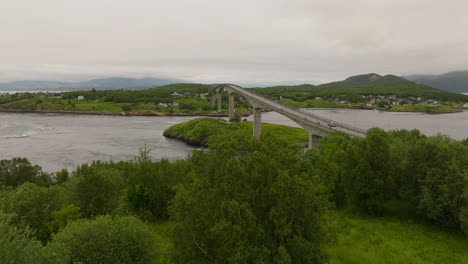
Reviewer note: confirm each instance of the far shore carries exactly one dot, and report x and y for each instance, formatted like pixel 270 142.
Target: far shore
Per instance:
pixel 65 112
pixel 214 114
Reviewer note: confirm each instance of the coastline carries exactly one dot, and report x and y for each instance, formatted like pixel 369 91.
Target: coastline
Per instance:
pixel 66 112
pixel 215 114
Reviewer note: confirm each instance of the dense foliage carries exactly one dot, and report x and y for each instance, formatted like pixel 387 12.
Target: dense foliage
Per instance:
pixel 106 239
pixel 400 172
pixel 241 200
pixel 250 202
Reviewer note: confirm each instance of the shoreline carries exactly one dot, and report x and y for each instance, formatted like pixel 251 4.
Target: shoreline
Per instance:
pixel 222 114
pixel 65 112
pixel 458 110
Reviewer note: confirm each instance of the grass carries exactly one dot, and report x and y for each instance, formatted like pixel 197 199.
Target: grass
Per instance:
pixel 394 241
pixel 366 240
pixel 162 232
pixel 198 131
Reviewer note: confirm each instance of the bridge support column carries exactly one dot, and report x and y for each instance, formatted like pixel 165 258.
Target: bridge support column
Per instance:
pixel 311 141
pixel 314 141
pixel 213 100
pixel 257 122
pixel 231 106
pixel 219 102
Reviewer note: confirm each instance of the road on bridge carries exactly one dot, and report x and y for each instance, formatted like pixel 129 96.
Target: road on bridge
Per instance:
pixel 302 117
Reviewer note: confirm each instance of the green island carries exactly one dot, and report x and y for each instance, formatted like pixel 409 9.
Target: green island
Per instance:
pixel 198 131
pixel 370 91
pixel 392 197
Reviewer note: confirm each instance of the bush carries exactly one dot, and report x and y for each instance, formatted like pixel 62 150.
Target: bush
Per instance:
pixel 123 239
pixel 236 118
pixel 16 245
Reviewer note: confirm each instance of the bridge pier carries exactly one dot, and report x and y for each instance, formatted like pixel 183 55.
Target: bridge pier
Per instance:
pixel 231 105
pixel 314 140
pixel 257 122
pixel 311 142
pixel 218 95
pixel 213 100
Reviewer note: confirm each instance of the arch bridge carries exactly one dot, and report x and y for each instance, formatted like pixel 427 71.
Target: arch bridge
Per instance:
pixel 316 125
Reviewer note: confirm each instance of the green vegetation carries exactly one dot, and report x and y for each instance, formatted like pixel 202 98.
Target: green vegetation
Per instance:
pixel 190 99
pixel 106 239
pixel 371 240
pixel 355 87
pixel 361 89
pixel 386 92
pixel 392 197
pixel 198 131
pixel 445 108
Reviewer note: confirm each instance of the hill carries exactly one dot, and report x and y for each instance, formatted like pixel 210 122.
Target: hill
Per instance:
pixel 452 81
pixel 353 88
pixel 99 84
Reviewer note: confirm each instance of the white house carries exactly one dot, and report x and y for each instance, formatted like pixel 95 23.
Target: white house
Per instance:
pixel 176 94
pixel 80 98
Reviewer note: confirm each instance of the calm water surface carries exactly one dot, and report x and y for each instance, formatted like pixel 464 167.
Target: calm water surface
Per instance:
pixel 66 141
pixel 454 125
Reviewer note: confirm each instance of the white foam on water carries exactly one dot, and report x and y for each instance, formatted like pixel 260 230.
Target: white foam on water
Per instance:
pixel 21 130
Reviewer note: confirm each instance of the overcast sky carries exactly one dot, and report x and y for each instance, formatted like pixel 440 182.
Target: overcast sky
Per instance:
pixel 237 41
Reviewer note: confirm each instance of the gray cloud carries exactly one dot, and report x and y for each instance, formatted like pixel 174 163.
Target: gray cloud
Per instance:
pixel 240 41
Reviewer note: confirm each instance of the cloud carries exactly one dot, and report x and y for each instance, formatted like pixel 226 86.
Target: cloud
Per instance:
pixel 236 41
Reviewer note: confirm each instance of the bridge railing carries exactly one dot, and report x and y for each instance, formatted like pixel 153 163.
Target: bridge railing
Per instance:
pixel 328 120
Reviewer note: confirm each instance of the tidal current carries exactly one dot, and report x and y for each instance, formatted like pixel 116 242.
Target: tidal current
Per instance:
pixel 56 141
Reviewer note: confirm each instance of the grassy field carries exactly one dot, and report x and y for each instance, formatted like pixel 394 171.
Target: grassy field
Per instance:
pixel 385 240
pixel 365 240
pixel 198 131
pixel 162 232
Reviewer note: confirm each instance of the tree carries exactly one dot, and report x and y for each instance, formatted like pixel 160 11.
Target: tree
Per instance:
pixel 31 206
pixel 17 171
pixel 151 186
pixel 60 218
pixel 369 173
pixel 106 239
pixel 441 173
pixel 96 189
pixel 16 244
pixel 250 201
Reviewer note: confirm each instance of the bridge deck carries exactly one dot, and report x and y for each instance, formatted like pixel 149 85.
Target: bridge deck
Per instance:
pixel 298 115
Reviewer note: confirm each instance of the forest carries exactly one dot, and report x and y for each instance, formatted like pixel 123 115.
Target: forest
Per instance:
pixel 243 200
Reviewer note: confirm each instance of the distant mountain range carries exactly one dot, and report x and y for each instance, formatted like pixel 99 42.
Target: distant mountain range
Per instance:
pixel 456 81
pixel 99 84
